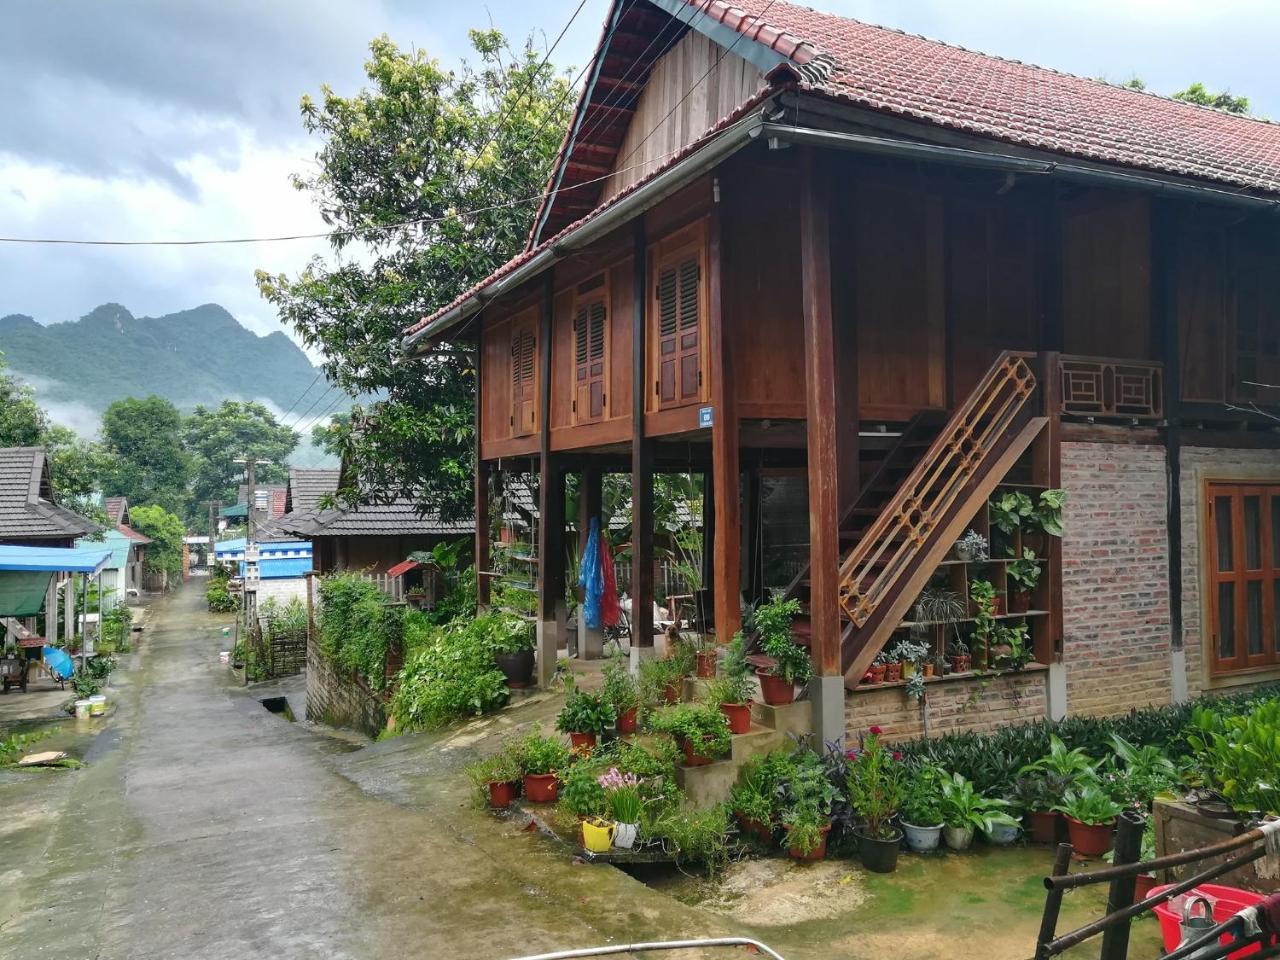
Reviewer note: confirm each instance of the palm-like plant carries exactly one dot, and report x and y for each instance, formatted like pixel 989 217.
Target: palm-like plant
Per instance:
pixel 964 807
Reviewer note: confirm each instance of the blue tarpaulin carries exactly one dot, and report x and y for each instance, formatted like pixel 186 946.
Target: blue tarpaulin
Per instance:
pixel 89 560
pixel 591 578
pixel 59 662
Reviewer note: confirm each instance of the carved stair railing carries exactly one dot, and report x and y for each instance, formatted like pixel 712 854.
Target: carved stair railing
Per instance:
pixel 914 530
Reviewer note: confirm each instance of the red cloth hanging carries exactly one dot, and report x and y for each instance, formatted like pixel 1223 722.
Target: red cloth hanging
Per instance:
pixel 610 610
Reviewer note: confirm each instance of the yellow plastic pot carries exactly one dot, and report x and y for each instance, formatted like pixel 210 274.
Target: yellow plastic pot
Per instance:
pixel 597 835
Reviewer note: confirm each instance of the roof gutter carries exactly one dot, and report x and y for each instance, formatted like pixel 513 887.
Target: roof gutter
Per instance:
pixel 669 181
pixel 777 133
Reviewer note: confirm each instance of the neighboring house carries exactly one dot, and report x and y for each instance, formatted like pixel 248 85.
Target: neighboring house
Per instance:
pixel 268 500
pixel 277 559
pixel 123 572
pixel 29 510
pixel 919 278
pixel 308 486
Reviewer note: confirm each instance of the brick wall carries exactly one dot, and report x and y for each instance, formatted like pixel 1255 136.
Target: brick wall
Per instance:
pixel 282 590
pixel 1199 464
pixel 338 700
pixel 954 706
pixel 1115 595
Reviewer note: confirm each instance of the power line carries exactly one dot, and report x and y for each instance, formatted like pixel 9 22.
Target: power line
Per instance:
pixel 285 416
pixel 314 403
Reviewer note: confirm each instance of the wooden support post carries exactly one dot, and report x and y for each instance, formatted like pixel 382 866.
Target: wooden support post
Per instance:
pixel 755 546
pixel 641 457
pixel 1046 470
pixel 726 561
pixel 482 561
pixel 550 573
pixel 823 455
pixel 590 497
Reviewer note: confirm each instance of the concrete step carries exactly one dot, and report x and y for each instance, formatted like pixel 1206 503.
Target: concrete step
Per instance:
pixel 786 718
pixel 709 784
pixel 756 741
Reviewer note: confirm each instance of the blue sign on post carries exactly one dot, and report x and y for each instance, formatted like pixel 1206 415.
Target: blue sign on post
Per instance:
pixel 704 416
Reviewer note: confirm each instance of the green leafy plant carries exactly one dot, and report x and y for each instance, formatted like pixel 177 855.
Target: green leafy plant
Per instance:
pixel 1048 514
pixel 1239 756
pixel 219 599
pixel 15 746
pixel 86 684
pixel 504 632
pixel 1134 776
pixel 735 683
pixel 874 785
pixel 1017 637
pixel 982 593
pixel 656 674
pixel 538 754
pixel 772 622
pixel 1089 803
pixel 1025 571
pixel 704 728
pixel 621 794
pixel 695 836
pixel 921 804
pixel 449 674
pixel 906 651
pixel 585 712
pixel 974 545
pixel 1009 510
pixel 1063 761
pixel 964 807
pixel 500 767
pixel 805 827
pixel 620 689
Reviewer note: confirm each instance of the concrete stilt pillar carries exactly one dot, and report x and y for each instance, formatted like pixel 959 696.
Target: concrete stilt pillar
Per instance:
pixel 826 694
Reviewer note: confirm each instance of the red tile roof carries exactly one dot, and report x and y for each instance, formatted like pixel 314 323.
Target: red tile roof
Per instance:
pixel 132 534
pixel 1005 100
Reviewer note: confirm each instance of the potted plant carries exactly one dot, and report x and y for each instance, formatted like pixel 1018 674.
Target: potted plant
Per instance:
pixel 541 759
pixel 982 595
pixel 701 731
pixel 1012 647
pixel 732 691
pixel 622 796
pixel 584 717
pixel 512 640
pixel 662 678
pixel 754 797
pixel 922 807
pixel 704 654
pixel 498 775
pixel 790 661
pixel 1091 817
pixel 873 781
pixel 1024 574
pixel 972 547
pixel 878 667
pixel 1045 522
pixel 911 655
pixel 806 832
pixel 1056 770
pixel 1008 511
pixel 621 692
pixel 1035 794
pixel 807 798
pixel 961 660
pixel 965 810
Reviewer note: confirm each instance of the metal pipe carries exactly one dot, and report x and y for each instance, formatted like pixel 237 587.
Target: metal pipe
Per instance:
pixel 960 156
pixel 1128 849
pixel 1106 874
pixel 1089 930
pixel 1053 902
pixel 656 945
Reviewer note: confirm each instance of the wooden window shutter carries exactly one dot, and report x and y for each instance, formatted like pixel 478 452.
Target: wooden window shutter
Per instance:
pixel 589 361
pixel 678 296
pixel 523 379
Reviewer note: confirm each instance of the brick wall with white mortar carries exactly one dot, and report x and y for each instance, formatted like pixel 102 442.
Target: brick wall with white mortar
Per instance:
pixel 340 699
pixel 1198 465
pixel 953 706
pixel 1115 583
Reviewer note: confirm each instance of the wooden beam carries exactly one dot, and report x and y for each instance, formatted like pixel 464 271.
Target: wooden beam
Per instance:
pixel 820 409
pixel 642 587
pixel 481 496
pixel 550 505
pixel 727 555
pixel 1046 470
pixel 1165 227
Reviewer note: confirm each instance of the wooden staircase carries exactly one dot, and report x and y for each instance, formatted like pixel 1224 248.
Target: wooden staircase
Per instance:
pixel 897 541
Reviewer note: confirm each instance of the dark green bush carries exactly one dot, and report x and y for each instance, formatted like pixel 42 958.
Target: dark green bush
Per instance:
pixel 357 626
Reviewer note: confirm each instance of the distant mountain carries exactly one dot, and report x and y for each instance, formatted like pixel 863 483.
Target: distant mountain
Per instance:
pixel 196 356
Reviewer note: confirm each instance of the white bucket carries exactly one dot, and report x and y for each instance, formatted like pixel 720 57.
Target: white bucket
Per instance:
pixel 82 709
pixel 97 705
pixel 224 656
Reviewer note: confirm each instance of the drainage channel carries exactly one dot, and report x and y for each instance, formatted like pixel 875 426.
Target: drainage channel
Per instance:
pixel 279 706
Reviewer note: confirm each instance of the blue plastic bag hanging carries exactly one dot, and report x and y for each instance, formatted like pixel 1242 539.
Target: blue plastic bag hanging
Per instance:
pixel 591 578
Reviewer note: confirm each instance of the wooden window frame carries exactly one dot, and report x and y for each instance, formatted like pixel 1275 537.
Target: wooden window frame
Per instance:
pixel 668 251
pixel 595 289
pixel 1267 573
pixel 524 324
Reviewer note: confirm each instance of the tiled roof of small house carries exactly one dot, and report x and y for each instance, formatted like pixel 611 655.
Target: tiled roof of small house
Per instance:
pixel 28 509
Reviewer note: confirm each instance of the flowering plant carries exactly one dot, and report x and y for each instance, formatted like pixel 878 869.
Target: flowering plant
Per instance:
pixel 874 783
pixel 622 794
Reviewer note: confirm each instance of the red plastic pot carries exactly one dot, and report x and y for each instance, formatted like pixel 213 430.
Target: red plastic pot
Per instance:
pixel 1088 839
pixel 502 793
pixel 738 715
pixel 877 672
pixel 892 672
pixel 627 722
pixel 776 690
pixel 706 664
pixel 1144 883
pixel 692 759
pixel 817 853
pixel 754 828
pixel 1042 826
pixel 541 787
pixel 671 692
pixel 961 663
pixel 1019 601
pixel 582 741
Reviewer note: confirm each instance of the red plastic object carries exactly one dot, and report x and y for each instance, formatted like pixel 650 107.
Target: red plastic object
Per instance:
pixel 1227 902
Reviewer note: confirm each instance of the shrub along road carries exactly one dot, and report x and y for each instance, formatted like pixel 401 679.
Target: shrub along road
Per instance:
pixel 205 827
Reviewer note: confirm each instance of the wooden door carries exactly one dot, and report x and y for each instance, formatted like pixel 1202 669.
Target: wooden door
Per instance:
pixel 1243 575
pixel 679 311
pixel 590 325
pixel 524 387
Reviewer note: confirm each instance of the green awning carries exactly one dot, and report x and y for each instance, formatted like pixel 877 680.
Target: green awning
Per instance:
pixel 22 592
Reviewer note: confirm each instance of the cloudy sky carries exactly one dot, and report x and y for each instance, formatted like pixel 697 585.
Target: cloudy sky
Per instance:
pixel 150 119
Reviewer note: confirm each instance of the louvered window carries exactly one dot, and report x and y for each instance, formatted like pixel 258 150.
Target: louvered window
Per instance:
pixel 589 329
pixel 1242 572
pixel 523 381
pixel 679 308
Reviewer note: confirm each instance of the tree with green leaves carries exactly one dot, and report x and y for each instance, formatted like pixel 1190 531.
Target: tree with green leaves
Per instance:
pixel 215 439
pixel 1223 100
pixel 22 422
pixel 143 438
pixel 166 531
pixel 418 146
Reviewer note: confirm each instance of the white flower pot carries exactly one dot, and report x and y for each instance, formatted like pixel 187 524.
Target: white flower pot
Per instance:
pixel 624 837
pixel 958 838
pixel 921 839
pixel 1003 834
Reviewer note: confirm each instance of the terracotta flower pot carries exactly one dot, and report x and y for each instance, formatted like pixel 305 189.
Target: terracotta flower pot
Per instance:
pixel 671 692
pixel 877 672
pixel 892 672
pixel 1089 839
pixel 961 663
pixel 706 664
pixel 541 787
pixel 1042 826
pixel 754 828
pixel 738 715
pixel 1019 601
pixel 817 853
pixel 1143 885
pixel 582 741
pixel 998 608
pixel 928 668
pixel 692 758
pixel 627 722
pixel 775 690
pixel 502 793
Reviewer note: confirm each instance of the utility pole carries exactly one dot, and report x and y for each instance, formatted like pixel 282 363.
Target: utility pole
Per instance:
pixel 249 590
pixel 211 556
